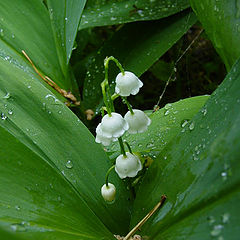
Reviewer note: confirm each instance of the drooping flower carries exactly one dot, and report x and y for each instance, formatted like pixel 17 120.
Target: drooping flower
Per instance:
pixel 127 84
pixel 105 141
pixel 127 166
pixel 113 126
pixel 138 122
pixel 108 192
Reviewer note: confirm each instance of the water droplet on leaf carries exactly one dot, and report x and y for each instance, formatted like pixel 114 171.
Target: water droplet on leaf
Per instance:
pixel 217 229
pixel 69 164
pixel 191 126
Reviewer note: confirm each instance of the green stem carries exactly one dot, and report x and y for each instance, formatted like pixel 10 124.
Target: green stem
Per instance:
pixel 111 58
pixel 114 96
pixel 124 99
pixel 104 85
pixel 107 174
pixel 122 146
pixel 128 146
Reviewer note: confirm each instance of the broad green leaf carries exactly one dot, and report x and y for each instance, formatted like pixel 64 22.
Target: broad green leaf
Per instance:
pixel 36 200
pixel 221 19
pixel 35 116
pixel 5 235
pixel 199 173
pixel 166 124
pixel 109 12
pixel 65 17
pixel 135 51
pixel 25 25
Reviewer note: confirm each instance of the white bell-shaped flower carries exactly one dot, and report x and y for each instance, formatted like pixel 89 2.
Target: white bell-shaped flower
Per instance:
pixel 113 126
pixel 127 84
pixel 105 141
pixel 127 166
pixel 108 192
pixel 138 122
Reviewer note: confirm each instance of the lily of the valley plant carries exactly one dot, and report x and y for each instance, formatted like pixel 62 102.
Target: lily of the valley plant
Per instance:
pixel 113 125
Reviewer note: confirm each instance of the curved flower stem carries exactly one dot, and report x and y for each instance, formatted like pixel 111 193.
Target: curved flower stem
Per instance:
pixel 107 174
pixel 128 146
pixel 111 58
pixel 105 85
pixel 114 96
pixel 124 99
pixel 122 146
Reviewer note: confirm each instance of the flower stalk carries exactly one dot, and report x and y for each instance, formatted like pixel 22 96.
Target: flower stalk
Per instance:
pixel 107 174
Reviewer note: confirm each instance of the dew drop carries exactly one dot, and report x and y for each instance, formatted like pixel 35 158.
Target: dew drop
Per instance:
pixel 17 208
pixel 211 220
pixel 217 229
pixel 1 32
pixel 150 145
pixel 225 217
pixel 191 126
pixel 7 96
pixel 18 227
pixel 224 176
pixel 184 123
pixel 3 116
pixel 166 113
pixel 204 111
pixel 168 106
pixel 69 164
pixel 10 112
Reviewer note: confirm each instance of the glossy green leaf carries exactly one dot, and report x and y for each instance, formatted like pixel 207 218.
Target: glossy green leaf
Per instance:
pixel 65 17
pixel 135 51
pixel 5 235
pixel 25 25
pixel 199 173
pixel 35 116
pixel 109 12
pixel 36 200
pixel 221 19
pixel 166 124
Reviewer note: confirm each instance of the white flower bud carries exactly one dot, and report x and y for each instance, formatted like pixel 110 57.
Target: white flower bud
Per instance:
pixel 114 126
pixel 108 192
pixel 128 166
pixel 138 122
pixel 127 84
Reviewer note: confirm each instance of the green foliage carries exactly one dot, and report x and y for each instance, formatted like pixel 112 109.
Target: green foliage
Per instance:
pixel 109 12
pixel 65 16
pixel 135 50
pixel 37 198
pixel 199 173
pixel 220 19
pixel 30 112
pixel 52 170
pixel 166 124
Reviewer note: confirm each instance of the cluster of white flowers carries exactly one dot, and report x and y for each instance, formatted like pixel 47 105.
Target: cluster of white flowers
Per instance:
pixel 113 126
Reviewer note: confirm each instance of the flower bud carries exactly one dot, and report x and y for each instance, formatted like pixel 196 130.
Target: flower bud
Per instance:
pixel 127 84
pixel 113 126
pixel 105 141
pixel 127 166
pixel 138 122
pixel 108 192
